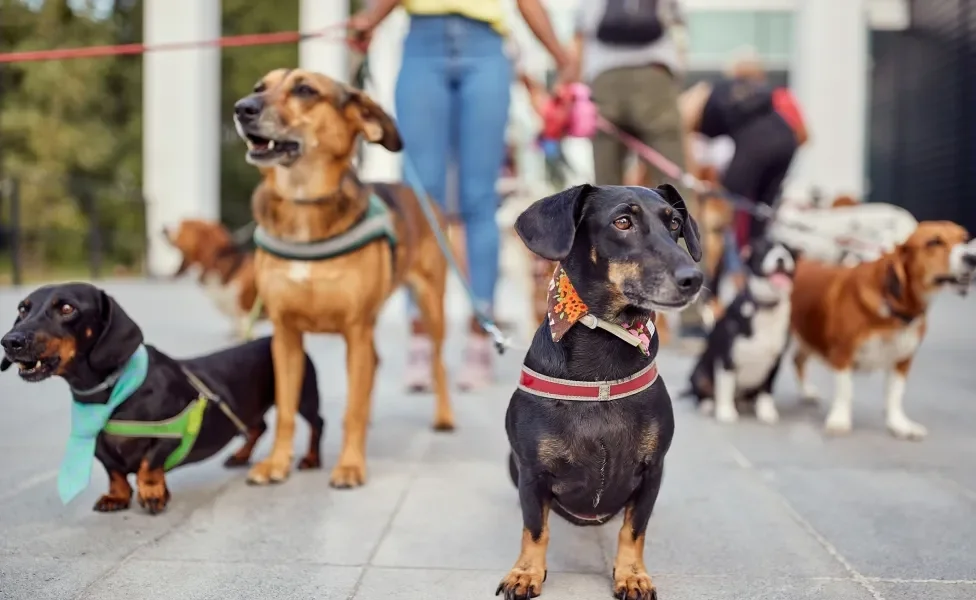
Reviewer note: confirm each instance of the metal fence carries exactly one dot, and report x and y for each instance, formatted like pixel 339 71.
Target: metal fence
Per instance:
pixel 56 229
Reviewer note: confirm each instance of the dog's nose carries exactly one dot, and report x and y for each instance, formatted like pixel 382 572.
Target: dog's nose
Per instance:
pixel 969 260
pixel 14 341
pixel 689 279
pixel 247 108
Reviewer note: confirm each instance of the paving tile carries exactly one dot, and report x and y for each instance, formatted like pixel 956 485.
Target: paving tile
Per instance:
pixel 723 521
pixel 438 584
pixel 31 578
pixel 887 523
pixel 190 580
pixel 435 584
pixel 302 520
pixel 926 591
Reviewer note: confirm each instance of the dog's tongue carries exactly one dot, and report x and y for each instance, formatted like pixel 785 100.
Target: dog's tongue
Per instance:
pixel 779 280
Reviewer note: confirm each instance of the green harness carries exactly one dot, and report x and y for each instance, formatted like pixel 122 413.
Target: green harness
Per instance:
pixel 184 427
pixel 376 223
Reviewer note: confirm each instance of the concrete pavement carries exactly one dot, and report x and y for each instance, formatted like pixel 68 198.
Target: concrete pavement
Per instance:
pixel 745 512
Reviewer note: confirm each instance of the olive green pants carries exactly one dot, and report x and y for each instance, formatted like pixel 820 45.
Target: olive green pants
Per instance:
pixel 643 101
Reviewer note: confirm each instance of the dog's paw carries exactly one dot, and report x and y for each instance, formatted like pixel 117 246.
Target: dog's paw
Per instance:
pixel 838 423
pixel 235 462
pixel 809 393
pixel 633 583
pixel 345 476
pixel 310 461
pixel 706 407
pixel 271 470
pixel 444 425
pixel 904 428
pixel 766 409
pixel 111 504
pixel 521 584
pixel 153 499
pixel 726 414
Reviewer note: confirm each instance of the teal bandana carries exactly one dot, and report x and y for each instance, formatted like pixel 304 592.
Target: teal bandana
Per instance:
pixel 88 420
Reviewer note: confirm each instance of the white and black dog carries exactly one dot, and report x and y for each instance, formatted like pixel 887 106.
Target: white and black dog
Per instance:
pixel 744 349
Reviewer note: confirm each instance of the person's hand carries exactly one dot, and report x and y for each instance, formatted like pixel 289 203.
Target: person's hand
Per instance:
pixel 569 68
pixel 361 27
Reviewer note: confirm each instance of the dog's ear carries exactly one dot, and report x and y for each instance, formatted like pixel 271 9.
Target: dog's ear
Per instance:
pixel 548 227
pixel 892 284
pixel 119 339
pixel 376 125
pixel 689 230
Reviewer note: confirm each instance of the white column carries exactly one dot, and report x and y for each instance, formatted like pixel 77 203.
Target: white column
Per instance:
pixel 385 55
pixel 324 54
pixel 181 121
pixel 830 76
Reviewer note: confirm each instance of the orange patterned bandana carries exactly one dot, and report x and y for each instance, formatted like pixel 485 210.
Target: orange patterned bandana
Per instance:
pixel 566 308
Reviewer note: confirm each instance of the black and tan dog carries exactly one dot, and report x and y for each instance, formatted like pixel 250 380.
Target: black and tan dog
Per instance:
pixel 78 332
pixel 591 421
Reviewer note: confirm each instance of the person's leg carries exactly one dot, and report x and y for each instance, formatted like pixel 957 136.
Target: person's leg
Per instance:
pixel 485 78
pixel 741 179
pixel 423 107
pixel 782 147
pixel 653 105
pixel 608 153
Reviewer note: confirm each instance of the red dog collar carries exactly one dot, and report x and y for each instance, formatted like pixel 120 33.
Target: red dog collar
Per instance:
pixel 586 391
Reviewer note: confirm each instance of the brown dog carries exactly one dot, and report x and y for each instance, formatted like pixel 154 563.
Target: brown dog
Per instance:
pixel 301 128
pixel 226 272
pixel 872 316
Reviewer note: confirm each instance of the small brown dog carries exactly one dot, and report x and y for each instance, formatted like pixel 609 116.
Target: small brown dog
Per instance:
pixel 226 272
pixel 301 130
pixel 872 316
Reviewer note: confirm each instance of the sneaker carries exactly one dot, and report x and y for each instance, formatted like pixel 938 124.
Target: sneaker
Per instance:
pixel 477 370
pixel 419 378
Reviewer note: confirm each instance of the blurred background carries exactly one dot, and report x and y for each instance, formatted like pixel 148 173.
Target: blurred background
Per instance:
pixel 97 154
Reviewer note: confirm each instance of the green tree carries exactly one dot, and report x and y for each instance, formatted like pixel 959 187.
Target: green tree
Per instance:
pixel 240 70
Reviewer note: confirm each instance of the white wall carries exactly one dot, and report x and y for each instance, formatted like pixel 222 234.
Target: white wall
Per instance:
pixel 181 122
pixel 830 76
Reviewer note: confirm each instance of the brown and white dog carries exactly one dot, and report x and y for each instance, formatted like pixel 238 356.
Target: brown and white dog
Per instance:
pixel 225 271
pixel 873 316
pixel 301 130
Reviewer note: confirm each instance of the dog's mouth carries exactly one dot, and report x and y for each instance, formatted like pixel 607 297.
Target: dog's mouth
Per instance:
pixel 35 369
pixel 961 283
pixel 781 281
pixel 264 149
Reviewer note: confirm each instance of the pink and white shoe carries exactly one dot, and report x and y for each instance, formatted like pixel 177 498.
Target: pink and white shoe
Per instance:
pixel 477 370
pixel 419 379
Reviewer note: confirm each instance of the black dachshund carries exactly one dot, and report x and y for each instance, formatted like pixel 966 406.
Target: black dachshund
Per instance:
pixel 78 332
pixel 591 421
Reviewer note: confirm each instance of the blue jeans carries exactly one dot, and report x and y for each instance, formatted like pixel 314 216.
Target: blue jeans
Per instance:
pixel 452 99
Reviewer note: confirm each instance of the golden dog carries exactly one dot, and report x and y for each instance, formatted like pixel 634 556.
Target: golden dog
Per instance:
pixel 301 128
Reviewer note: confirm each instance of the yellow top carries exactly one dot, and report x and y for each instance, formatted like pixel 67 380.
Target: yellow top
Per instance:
pixel 488 11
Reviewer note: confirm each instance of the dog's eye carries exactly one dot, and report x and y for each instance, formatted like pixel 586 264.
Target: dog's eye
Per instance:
pixel 303 90
pixel 66 309
pixel 674 224
pixel 22 310
pixel 934 242
pixel 259 87
pixel 623 223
